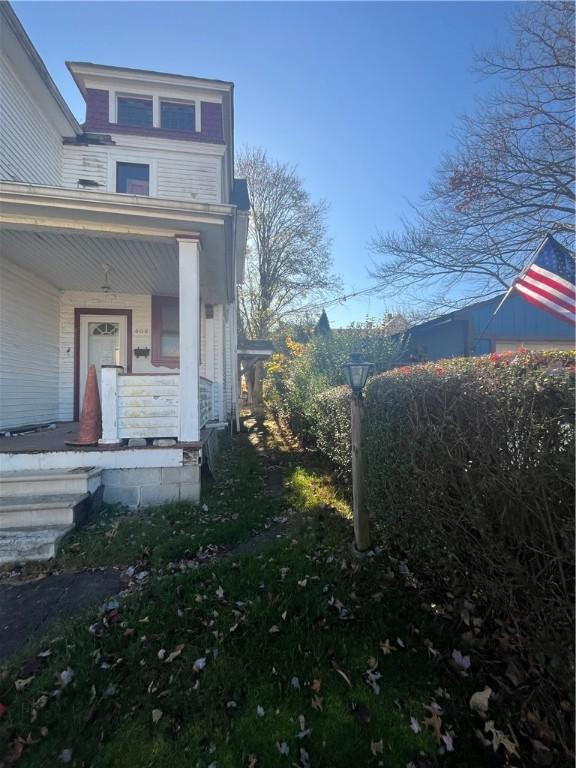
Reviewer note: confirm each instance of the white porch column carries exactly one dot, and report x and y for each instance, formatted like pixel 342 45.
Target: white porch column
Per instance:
pixel 109 403
pixel 189 294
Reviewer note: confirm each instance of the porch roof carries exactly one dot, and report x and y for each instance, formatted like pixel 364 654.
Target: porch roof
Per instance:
pixel 66 236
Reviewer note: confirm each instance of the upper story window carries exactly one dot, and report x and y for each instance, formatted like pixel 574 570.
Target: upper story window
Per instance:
pixel 134 111
pixel 176 116
pixel 133 178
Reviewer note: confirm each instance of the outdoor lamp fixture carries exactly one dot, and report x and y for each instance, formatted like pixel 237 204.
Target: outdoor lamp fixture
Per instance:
pixel 106 287
pixel 356 372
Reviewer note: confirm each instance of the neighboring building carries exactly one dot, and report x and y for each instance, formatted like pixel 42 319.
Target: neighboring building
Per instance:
pixel 475 330
pixel 122 243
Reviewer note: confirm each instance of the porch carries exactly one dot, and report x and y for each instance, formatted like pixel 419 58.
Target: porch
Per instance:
pixel 144 290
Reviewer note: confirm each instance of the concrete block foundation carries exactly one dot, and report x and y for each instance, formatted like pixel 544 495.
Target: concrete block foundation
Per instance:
pixel 154 485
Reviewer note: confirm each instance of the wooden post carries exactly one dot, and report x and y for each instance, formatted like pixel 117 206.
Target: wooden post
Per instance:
pixel 361 523
pixel 189 324
pixel 109 404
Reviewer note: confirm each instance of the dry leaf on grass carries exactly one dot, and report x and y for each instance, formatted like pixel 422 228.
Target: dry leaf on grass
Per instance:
pixel 480 700
pixel 377 747
pixel 174 655
pixel 500 739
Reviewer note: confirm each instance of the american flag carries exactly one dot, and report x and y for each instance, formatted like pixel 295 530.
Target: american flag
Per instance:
pixel 548 282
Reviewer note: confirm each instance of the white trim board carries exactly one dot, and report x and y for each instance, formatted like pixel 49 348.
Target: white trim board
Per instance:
pixel 131 458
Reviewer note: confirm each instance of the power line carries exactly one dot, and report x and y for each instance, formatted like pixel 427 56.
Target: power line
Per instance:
pixel 340 299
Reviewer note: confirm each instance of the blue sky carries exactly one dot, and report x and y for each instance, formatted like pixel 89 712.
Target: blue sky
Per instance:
pixel 361 97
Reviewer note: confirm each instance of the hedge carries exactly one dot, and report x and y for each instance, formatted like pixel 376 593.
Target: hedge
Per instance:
pixel 470 468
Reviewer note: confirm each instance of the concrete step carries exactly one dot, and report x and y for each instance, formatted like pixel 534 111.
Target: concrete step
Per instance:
pixel 17 545
pixel 23 512
pixel 49 481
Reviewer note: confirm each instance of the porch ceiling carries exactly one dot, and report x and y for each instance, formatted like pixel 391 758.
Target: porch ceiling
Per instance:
pixel 137 265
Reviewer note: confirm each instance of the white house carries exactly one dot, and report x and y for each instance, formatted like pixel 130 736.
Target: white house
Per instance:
pixel 122 243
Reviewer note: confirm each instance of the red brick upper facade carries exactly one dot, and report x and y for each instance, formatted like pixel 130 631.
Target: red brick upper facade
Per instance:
pixel 97 121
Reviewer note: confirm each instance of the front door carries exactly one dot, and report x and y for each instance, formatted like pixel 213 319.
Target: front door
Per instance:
pixel 103 341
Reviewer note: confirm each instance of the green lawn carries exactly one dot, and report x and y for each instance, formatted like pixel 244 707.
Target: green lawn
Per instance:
pixel 297 656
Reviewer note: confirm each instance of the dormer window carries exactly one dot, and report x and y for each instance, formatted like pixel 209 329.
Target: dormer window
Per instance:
pixel 176 116
pixel 135 112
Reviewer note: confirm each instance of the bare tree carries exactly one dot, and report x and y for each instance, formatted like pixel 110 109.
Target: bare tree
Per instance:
pixel 510 179
pixel 288 260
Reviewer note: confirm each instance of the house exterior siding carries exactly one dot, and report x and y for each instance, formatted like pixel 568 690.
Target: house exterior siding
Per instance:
pixel 141 307
pixel 475 330
pixel 30 146
pixel 192 176
pixel 29 313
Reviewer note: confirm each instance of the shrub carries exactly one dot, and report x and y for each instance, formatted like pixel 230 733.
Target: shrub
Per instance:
pixel 295 378
pixel 469 468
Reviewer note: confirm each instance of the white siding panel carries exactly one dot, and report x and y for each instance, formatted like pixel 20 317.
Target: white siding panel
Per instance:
pixel 141 307
pixel 30 147
pixel 178 175
pixel 85 163
pixel 148 406
pixel 29 310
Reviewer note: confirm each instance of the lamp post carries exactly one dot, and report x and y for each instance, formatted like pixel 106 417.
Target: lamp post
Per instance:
pixel 356 372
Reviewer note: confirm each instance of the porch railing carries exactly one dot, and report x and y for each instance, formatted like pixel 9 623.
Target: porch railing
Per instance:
pixel 206 401
pixel 146 405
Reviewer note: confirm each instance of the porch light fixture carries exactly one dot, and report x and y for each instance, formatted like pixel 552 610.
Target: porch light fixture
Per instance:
pixel 106 287
pixel 356 372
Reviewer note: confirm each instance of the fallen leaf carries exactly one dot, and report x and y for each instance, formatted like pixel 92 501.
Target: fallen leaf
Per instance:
pixel 156 715
pixel 220 593
pixel 65 756
pixel 377 747
pixel 447 742
pixel 434 722
pixel 295 683
pixel 341 673
pixel 199 664
pixel 372 662
pixel 372 680
pixel 316 685
pixel 175 653
pixel 386 648
pixel 500 739
pixel 283 748
pixel 20 684
pixel 462 662
pixel 274 629
pixel 260 711
pixel 415 725
pixel 317 702
pixel 479 701
pixel 252 761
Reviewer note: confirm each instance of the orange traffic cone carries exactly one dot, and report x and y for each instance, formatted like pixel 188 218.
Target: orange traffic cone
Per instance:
pixel 91 417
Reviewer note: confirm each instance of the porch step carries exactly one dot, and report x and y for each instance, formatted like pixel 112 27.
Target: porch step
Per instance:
pixel 38 543
pixel 46 511
pixel 49 481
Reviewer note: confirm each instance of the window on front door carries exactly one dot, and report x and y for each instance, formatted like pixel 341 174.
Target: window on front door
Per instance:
pixel 133 178
pixel 165 331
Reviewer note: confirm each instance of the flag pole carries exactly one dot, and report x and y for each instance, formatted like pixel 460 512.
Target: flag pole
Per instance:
pixel 521 275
